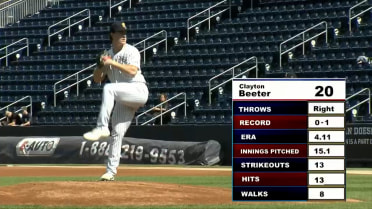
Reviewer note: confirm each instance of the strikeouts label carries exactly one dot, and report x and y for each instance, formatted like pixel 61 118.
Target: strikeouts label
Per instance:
pixel 288 139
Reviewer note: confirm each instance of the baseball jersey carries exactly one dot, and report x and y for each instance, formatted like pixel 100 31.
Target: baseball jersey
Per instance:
pixel 127 55
pixel 14 117
pixel 25 118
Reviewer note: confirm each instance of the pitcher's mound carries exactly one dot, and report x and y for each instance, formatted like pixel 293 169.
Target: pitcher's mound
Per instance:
pixel 111 193
pixel 64 193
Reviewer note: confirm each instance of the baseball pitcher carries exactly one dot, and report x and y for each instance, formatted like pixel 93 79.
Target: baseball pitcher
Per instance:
pixel 127 87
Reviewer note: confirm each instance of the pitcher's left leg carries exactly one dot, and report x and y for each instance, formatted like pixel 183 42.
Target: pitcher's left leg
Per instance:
pixel 121 120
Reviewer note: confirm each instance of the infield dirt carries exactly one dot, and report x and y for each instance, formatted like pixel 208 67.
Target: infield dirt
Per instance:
pixel 93 193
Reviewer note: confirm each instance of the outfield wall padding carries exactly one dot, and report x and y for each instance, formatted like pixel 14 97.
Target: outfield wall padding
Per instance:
pixel 74 149
pixel 358 137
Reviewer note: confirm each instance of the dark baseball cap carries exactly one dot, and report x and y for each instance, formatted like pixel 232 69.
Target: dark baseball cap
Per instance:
pixel 118 27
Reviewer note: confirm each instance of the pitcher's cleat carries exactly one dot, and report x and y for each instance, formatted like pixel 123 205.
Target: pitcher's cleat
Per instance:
pixel 97 134
pixel 107 177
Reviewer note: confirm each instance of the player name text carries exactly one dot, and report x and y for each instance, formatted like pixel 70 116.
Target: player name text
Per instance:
pixel 251 93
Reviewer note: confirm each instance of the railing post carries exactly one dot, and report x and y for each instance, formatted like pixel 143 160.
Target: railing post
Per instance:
pixel 161 114
pixel 55 95
pixel 209 93
pixel 69 27
pixel 326 33
pixel 280 55
pixel 185 105
pixel 256 68
pixel 24 10
pixel 90 21
pixel 166 42
pixel 144 52
pixel 188 31
pixel 110 8
pixel 230 8
pixel 350 20
pixel 369 101
pixel 209 20
pixel 31 107
pixel 77 84
pixel 6 58
pixel 28 48
pixel 49 36
pixel 303 44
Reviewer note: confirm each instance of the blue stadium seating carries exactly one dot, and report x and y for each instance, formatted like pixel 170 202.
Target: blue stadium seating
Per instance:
pixel 186 67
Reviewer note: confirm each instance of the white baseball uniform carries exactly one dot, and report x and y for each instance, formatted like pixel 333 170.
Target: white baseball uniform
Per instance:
pixel 129 93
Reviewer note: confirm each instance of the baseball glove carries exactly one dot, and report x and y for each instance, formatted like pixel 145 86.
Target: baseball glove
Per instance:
pixel 101 57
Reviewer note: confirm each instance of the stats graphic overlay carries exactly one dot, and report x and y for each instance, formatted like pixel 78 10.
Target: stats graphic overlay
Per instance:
pixel 288 139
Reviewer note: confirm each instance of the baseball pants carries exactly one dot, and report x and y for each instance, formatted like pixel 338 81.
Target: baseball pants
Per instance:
pixel 128 97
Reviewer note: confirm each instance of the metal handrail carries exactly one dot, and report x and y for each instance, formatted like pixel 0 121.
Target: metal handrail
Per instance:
pixel 362 102
pixel 7 107
pixel 76 83
pixel 233 75
pixel 165 39
pixel 89 67
pixel 19 49
pixel 112 6
pixel 351 18
pixel 208 18
pixel 9 14
pixel 13 11
pixel 161 112
pixel 303 40
pixel 69 24
pixel 7 3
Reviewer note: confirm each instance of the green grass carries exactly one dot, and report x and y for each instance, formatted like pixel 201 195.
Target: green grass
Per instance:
pixel 360 169
pixel 215 181
pixel 358 187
